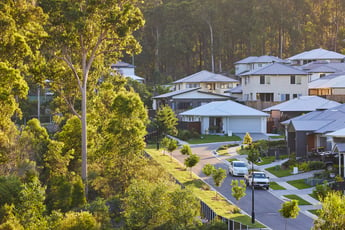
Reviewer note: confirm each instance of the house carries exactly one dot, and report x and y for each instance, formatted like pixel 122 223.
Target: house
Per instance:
pixel 274 83
pixel 207 81
pixel 319 69
pixel 338 147
pixel 226 117
pixel 296 107
pixel 235 92
pixel 126 70
pixel 309 131
pixel 253 62
pixel 182 100
pixel 316 55
pixel 331 85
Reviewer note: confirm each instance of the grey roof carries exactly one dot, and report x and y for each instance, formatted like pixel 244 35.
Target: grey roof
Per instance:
pixel 340 146
pixel 177 92
pixel 261 59
pixel 183 91
pixel 121 64
pixel 317 54
pixel 303 104
pixel 338 133
pixel 237 89
pixel 205 76
pixel 225 109
pixel 323 67
pixel 324 121
pixel 336 80
pixel 276 69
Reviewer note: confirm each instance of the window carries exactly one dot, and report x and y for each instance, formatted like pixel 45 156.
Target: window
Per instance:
pixel 294 95
pixel 259 65
pixel 298 80
pixel 285 97
pixel 292 79
pixel 265 80
pixel 322 75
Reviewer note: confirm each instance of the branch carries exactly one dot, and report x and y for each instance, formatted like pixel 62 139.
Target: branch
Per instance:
pixel 70 105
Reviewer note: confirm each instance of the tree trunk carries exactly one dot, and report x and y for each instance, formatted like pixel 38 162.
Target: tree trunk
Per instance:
pixel 84 140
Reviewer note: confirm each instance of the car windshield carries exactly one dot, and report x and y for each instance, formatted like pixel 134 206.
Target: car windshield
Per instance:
pixel 239 164
pixel 259 175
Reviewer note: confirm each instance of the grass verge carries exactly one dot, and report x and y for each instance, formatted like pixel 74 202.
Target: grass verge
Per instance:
pixel 275 186
pixel 278 171
pixel 314 196
pixel 270 159
pixel 220 205
pixel 300 184
pixel 213 138
pixel 299 199
pixel 314 211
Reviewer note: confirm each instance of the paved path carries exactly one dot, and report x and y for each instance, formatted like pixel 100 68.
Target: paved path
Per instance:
pixel 268 211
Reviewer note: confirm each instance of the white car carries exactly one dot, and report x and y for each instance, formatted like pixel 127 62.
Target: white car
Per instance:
pixel 238 168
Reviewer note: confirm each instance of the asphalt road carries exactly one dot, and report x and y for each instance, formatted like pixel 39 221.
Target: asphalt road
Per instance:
pixel 266 204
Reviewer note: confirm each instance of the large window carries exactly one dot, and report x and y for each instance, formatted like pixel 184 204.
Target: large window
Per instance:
pixel 264 96
pixel 265 80
pixel 292 79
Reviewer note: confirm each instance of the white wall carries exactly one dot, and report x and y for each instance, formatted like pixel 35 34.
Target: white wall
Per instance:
pixel 278 85
pixel 245 124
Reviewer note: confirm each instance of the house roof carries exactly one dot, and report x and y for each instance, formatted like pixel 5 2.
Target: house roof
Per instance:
pixel 338 133
pixel 276 69
pixel 323 67
pixel 317 54
pixel 205 76
pixel 225 109
pixel 336 80
pixel 303 104
pixel 237 89
pixel 121 64
pixel 261 59
pixel 321 121
pixel 186 93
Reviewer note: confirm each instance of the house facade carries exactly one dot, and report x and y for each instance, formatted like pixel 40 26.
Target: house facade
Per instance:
pixel 274 83
pixel 226 117
pixel 333 84
pixel 206 81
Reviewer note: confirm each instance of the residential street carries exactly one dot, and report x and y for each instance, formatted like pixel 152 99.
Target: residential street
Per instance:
pixel 267 203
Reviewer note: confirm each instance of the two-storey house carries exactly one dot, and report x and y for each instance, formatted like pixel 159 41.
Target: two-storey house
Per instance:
pixel 274 83
pixel 253 62
pixel 206 81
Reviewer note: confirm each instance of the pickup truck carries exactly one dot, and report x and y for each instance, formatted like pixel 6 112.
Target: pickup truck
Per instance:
pixel 260 179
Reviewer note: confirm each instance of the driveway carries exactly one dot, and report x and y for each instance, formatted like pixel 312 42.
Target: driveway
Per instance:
pixel 267 203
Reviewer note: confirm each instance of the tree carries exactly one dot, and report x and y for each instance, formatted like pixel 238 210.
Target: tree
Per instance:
pixel 165 143
pixel 81 36
pixel 289 209
pixel 172 146
pixel 191 161
pixel 218 176
pixel 331 215
pixel 166 121
pixel 253 155
pixel 208 169
pixel 78 220
pixel 186 150
pixel 238 190
pixel 247 139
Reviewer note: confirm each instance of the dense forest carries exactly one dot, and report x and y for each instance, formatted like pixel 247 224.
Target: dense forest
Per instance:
pixel 181 37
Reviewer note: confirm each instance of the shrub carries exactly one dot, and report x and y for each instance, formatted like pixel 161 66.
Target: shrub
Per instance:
pixel 184 134
pixel 321 190
pixel 313 165
pixel 304 166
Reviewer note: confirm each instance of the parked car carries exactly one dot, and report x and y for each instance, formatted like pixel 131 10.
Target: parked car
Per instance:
pixel 258 179
pixel 238 168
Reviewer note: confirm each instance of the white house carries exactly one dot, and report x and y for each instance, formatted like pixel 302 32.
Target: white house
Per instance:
pixel 253 62
pixel 126 70
pixel 316 55
pixel 207 81
pixel 274 82
pixel 227 117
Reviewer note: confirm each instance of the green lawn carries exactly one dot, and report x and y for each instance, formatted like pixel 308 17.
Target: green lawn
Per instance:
pixel 300 200
pixel 314 196
pixel 275 186
pixel 213 138
pixel 278 172
pixel 220 206
pixel 300 184
pixel 232 159
pixel 270 159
